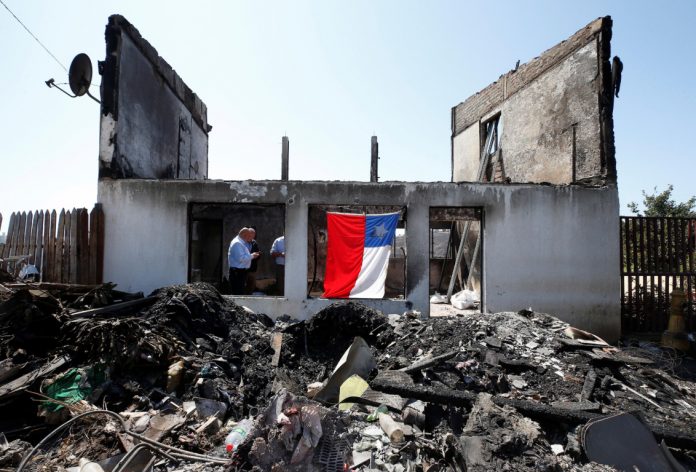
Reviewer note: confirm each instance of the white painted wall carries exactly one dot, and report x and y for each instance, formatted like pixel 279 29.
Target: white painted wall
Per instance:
pixel 553 248
pixel 146 243
pixel 556 250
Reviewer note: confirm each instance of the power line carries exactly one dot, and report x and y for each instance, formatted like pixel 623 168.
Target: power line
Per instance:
pixel 32 35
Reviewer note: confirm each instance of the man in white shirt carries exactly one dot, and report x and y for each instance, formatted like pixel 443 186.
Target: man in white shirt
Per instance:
pixel 239 258
pixel 278 255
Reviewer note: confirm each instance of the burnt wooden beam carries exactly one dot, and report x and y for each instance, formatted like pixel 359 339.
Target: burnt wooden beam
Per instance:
pixel 445 396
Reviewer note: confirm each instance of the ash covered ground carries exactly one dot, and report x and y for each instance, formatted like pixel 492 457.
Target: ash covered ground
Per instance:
pixel 183 367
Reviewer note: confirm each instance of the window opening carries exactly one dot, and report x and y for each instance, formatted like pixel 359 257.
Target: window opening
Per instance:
pixel 491 164
pixel 214 226
pixel 317 236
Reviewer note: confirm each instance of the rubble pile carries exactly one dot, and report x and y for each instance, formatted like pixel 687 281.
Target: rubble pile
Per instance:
pixel 187 380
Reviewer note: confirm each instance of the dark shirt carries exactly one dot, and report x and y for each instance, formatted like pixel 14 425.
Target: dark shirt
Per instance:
pixel 254 262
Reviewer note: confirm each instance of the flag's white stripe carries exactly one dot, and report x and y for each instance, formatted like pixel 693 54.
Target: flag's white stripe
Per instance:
pixel 373 273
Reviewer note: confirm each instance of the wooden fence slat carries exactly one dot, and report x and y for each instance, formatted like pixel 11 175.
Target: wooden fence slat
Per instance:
pixel 45 243
pixel 19 248
pixel 9 250
pixel 59 258
pixel 627 242
pixel 6 246
pixel 690 264
pixel 681 248
pixel 18 232
pixel 38 239
pixel 652 252
pixel 73 246
pixel 100 243
pixel 32 238
pixel 659 258
pixel 671 241
pixel 83 245
pixel 65 276
pixel 51 259
pixel 8 238
pixel 14 225
pixel 26 248
pixel 662 246
pixel 93 232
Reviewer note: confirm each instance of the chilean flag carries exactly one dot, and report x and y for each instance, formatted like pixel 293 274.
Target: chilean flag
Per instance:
pixel 358 254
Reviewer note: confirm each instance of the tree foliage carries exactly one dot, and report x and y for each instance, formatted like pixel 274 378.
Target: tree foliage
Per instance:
pixel 662 204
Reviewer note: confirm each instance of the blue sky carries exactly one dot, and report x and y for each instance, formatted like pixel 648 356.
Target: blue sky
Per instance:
pixel 331 74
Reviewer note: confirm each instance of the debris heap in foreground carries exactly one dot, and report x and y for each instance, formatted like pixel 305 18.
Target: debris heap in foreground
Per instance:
pixel 89 374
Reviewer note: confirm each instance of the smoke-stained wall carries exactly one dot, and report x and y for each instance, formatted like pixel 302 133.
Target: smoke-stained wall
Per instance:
pixel 555 117
pixel 152 125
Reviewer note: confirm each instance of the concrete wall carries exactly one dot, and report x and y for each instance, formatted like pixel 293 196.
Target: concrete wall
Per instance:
pixel 555 249
pixel 466 154
pixel 152 124
pixel 556 113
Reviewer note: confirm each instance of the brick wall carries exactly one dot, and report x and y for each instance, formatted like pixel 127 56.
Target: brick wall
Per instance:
pixel 485 101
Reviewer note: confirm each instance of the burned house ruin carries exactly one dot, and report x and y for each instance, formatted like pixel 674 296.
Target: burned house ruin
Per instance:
pixel 533 167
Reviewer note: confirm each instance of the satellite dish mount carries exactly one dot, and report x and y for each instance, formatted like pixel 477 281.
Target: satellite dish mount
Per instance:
pixel 79 77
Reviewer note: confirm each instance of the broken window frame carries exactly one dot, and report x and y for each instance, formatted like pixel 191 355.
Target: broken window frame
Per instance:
pixel 490 130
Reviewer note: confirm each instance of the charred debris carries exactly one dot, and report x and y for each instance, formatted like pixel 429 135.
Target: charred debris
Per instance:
pixel 96 379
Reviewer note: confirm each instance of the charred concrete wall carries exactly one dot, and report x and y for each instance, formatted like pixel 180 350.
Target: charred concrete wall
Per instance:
pixel 555 114
pixel 554 248
pixel 152 125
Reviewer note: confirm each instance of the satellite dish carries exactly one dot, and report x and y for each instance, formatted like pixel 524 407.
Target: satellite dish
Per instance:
pixel 80 74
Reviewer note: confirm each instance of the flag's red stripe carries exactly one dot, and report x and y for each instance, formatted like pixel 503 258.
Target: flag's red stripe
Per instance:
pixel 346 241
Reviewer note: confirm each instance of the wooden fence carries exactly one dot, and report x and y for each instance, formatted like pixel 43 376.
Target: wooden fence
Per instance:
pixel 66 247
pixel 657 256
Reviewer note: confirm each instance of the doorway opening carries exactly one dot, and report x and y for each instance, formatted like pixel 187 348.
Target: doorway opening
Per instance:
pixel 456 254
pixel 317 249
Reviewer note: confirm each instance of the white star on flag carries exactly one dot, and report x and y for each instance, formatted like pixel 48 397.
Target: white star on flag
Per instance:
pixel 379 231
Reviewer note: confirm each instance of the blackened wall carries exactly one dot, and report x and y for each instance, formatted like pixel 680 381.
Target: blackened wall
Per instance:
pixel 152 124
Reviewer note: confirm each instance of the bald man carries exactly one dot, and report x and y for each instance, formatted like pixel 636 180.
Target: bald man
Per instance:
pixel 239 258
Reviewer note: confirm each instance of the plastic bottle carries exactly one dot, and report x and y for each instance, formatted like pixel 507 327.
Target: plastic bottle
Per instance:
pixel 87 465
pixel 238 434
